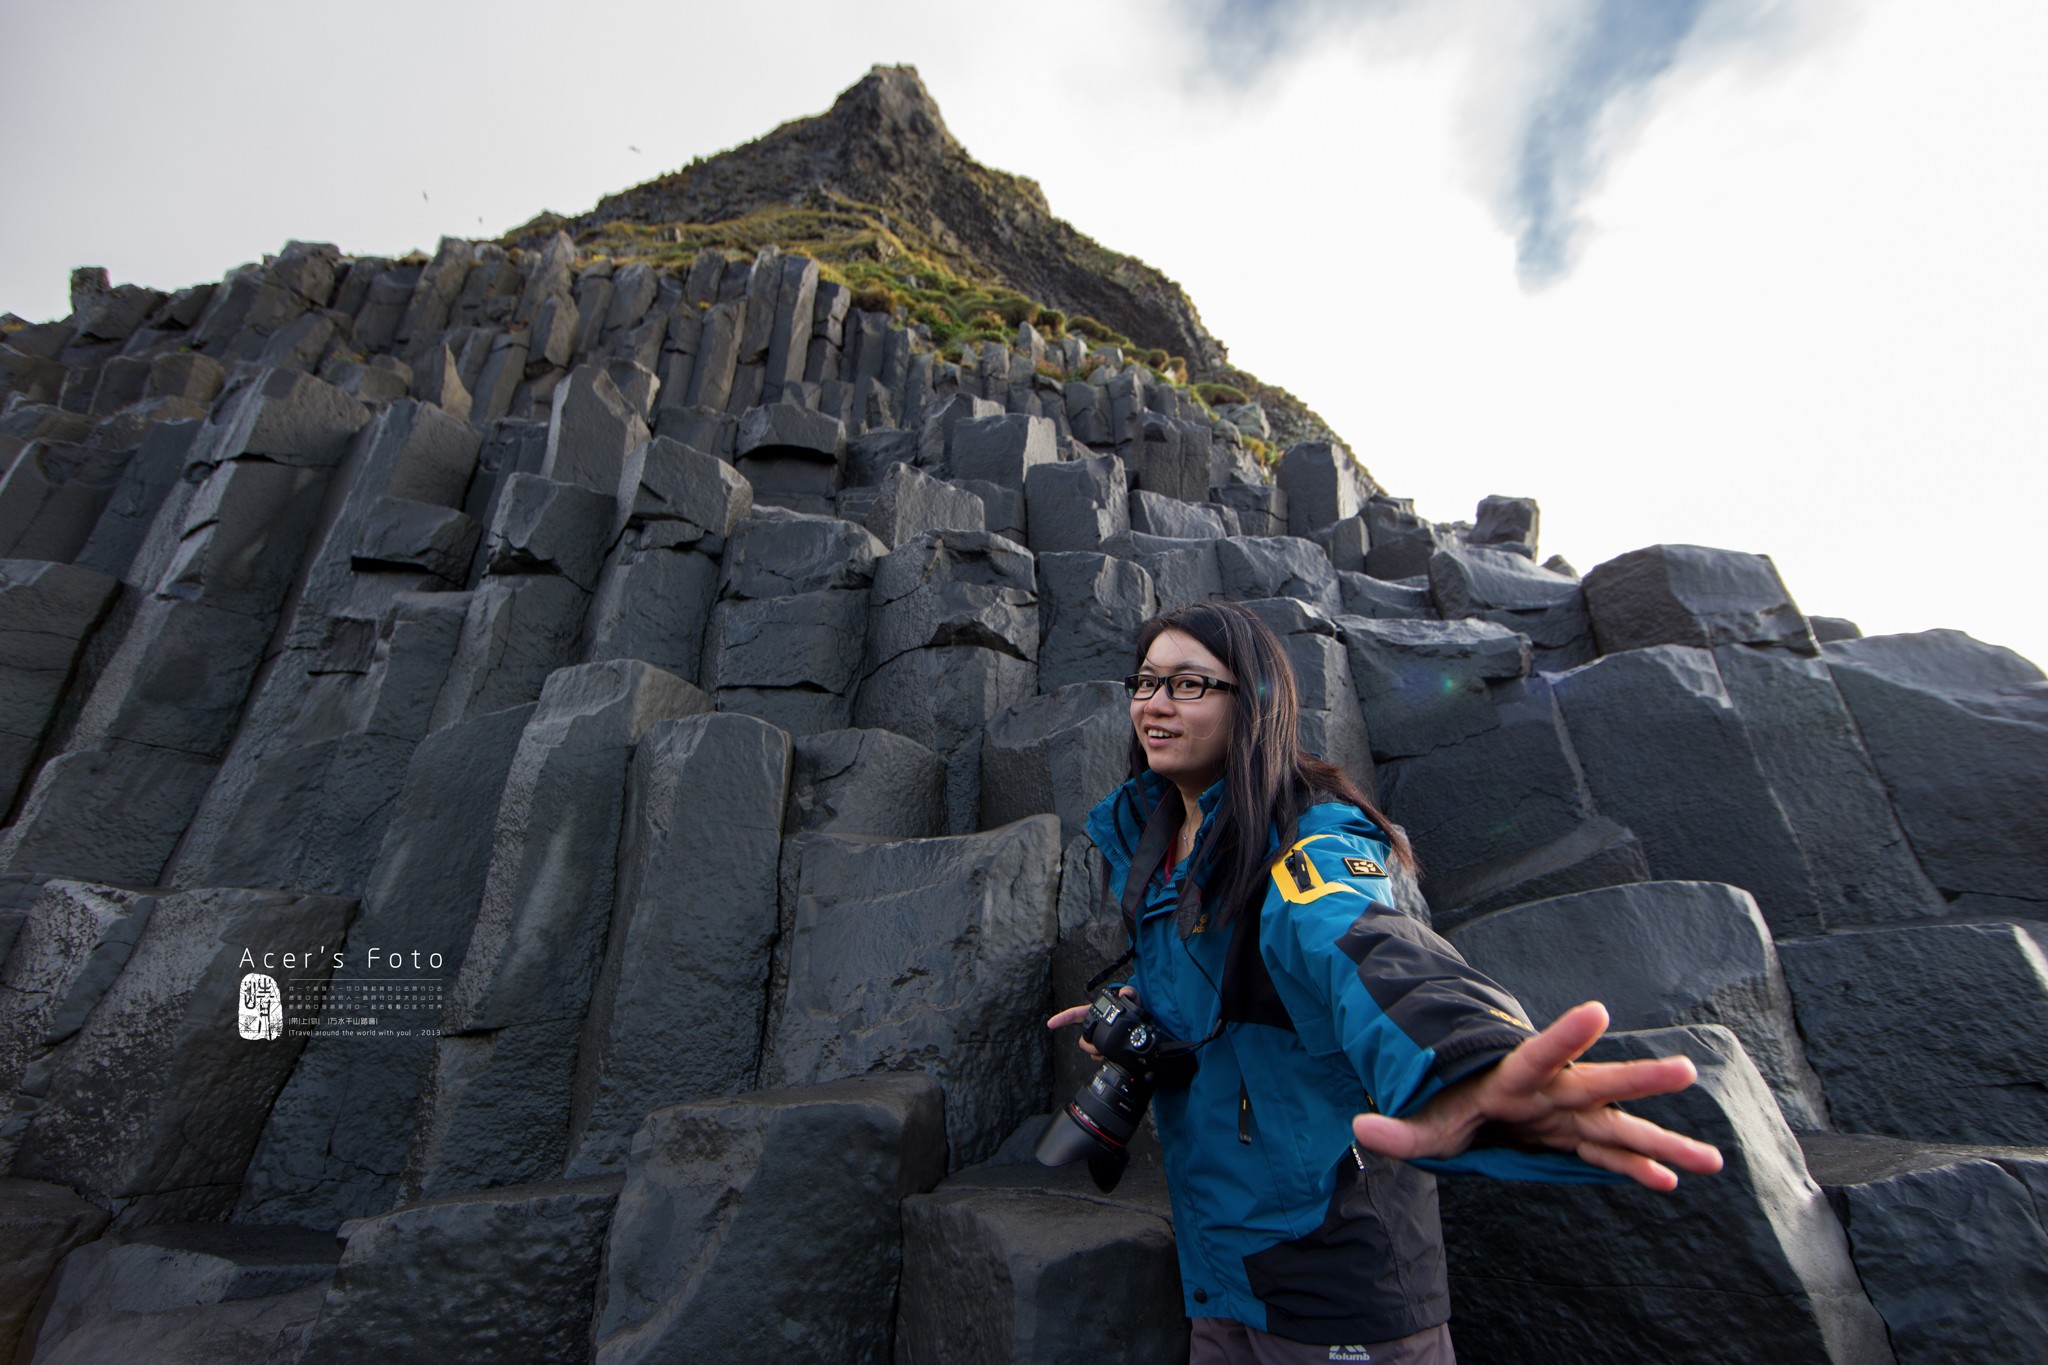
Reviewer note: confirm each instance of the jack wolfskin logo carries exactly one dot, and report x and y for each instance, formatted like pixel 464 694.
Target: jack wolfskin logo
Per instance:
pixel 261 1010
pixel 1361 867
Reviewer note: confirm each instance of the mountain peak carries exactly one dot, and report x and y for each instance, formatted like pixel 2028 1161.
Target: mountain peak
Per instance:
pixel 882 153
pixel 891 103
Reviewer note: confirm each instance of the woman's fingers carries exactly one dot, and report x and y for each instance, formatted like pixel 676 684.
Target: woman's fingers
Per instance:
pixel 1589 1085
pixel 1540 1060
pixel 1634 1165
pixel 1627 1132
pixel 1401 1139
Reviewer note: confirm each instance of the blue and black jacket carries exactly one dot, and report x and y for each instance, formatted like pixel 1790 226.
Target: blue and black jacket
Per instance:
pixel 1347 1006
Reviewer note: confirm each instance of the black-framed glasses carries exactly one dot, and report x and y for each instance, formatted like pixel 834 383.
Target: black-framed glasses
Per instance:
pixel 1179 686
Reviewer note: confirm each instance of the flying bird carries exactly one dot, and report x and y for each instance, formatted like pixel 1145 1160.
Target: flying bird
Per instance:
pixel 423 197
pixel 631 148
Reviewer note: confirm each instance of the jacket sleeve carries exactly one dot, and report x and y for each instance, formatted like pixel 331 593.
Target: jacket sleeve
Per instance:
pixel 1409 1014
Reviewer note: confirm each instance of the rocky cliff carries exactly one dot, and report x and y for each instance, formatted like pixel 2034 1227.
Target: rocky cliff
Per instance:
pixel 543 792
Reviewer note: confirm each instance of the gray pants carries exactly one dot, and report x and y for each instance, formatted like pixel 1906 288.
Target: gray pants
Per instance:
pixel 1220 1341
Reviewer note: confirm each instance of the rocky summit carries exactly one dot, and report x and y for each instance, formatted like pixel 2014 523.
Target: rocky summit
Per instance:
pixel 543 790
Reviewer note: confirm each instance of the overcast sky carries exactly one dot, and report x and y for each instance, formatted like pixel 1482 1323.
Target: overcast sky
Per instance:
pixel 1764 274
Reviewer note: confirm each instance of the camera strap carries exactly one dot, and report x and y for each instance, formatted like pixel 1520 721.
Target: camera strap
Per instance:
pixel 1152 849
pixel 1160 830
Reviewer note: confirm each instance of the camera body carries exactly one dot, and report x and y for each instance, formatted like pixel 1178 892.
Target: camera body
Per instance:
pixel 1138 1057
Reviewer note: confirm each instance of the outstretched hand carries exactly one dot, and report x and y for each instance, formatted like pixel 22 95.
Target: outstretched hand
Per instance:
pixel 1539 1096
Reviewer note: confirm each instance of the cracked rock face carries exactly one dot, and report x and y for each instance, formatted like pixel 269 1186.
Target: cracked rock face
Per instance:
pixel 712 676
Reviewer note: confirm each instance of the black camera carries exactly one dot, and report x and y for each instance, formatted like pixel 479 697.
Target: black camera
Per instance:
pixel 1137 1058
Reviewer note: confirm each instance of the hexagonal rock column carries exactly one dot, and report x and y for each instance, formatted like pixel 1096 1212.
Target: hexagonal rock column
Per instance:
pixel 925 954
pixel 1656 954
pixel 1864 871
pixel 177 1265
pixel 1949 1242
pixel 47 612
pixel 500 1275
pixel 165 704
pixel 72 944
pixel 1251 567
pixel 866 782
pixel 1323 485
pixel 1609 1272
pixel 910 502
pixel 1476 806
pixel 1089 609
pixel 678 1005
pixel 769 1224
pixel 335 1141
pixel 1692 595
pixel 1958 730
pixel 1426 683
pixel 1505 588
pixel 498 1110
pixel 1933 1032
pixel 1018 1263
pixel 321 754
pixel 786 640
pixel 1666 753
pixel 791 456
pixel 155 1103
pixel 1331 723
pixel 952 641
pixel 1058 753
pixel 40 1223
pixel 1076 505
pixel 656 591
pixel 591 427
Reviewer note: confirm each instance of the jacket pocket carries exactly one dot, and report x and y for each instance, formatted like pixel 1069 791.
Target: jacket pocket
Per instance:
pixel 1374 1269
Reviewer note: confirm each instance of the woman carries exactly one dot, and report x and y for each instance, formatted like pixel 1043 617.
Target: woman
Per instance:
pixel 1344 1051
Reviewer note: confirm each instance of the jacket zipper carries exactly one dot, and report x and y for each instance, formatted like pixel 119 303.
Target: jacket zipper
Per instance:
pixel 1244 1114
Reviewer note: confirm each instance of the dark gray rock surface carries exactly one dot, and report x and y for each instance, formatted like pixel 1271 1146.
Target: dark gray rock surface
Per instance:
pixel 1076 505
pixel 1058 753
pixel 1090 607
pixel 334 1145
pixel 1657 954
pixel 174 1266
pixel 1753 1251
pixel 154 1104
pixel 498 1275
pixel 676 1014
pixel 1935 1032
pixel 514 1013
pixel 997 1266
pixel 873 782
pixel 1665 752
pixel 926 954
pixel 1323 485
pixel 47 613
pixel 1958 731
pixel 1693 595
pixel 1505 588
pixel 768 1223
pixel 1422 684
pixel 42 1223
pixel 1973 1212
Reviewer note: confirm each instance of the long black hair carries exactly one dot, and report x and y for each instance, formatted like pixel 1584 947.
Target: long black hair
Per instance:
pixel 1268 781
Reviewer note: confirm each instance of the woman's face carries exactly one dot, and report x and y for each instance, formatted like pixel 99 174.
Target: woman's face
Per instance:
pixel 1185 742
